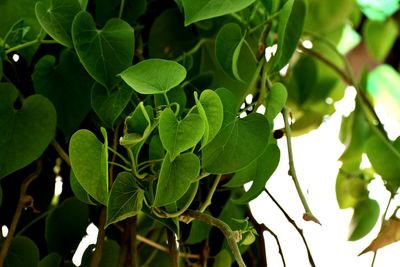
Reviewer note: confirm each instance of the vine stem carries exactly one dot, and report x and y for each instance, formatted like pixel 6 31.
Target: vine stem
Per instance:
pixel 98 252
pixel 30 43
pixel 293 223
pixel 232 237
pixel 121 9
pixel 207 202
pixel 193 50
pixel 61 152
pixel 23 202
pixel 308 216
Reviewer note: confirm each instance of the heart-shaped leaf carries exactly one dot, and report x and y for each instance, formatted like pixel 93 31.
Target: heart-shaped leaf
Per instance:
pixel 79 192
pixel 154 76
pixel 23 252
pixel 89 162
pixel 210 109
pixel 275 101
pixel 57 19
pixel 137 125
pixel 108 106
pixel 237 145
pixel 71 97
pixel 126 198
pixel 228 43
pixel 290 27
pixel 104 53
pixel 177 174
pixel 178 136
pixel 196 10
pixel 74 227
pixel 25 133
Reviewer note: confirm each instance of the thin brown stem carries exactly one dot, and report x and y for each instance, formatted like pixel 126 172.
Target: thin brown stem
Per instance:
pixel 172 248
pixel 260 228
pixel 293 223
pixel 232 237
pixel 133 233
pixel 98 252
pixel 23 202
pixel 61 152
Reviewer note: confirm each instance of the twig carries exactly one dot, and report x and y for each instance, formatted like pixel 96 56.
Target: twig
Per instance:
pixel 207 202
pixel 292 222
pixel 24 202
pixel 260 228
pixel 172 248
pixel 133 232
pixel 232 237
pixel 61 152
pixel 98 252
pixel 163 248
pixel 308 216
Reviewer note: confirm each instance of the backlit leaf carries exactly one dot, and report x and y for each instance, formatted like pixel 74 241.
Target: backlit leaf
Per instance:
pixel 154 76
pixel 365 216
pixel 106 52
pixel 275 101
pixel 379 37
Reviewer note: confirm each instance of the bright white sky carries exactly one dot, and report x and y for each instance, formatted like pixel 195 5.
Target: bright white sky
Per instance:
pixel 315 156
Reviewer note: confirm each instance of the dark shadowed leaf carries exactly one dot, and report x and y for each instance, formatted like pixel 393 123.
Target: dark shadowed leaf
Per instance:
pixel 23 252
pixel 51 260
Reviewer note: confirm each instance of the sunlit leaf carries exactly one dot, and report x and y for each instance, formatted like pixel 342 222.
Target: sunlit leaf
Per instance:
pixel 89 160
pixel 26 132
pixel 196 10
pixel 79 192
pixel 275 101
pixel 365 216
pixel 223 259
pixel 378 10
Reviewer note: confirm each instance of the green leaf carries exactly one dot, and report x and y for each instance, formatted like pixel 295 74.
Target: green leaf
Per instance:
pixel 51 260
pixel 57 19
pixel 365 216
pixel 177 174
pixel 379 37
pixel 154 76
pixel 109 257
pixel 384 159
pixel 107 9
pixel 137 126
pixel 199 231
pixel 196 10
pixel 108 106
pixel 228 43
pixel 378 10
pixel 72 216
pixel 237 145
pixel 275 101
pixel 89 161
pixel 78 190
pixel 264 168
pixel 126 198
pixel 210 109
pixel 178 136
pixel 290 27
pixel 229 105
pixel 223 259
pixel 25 133
pixel 70 96
pixel 350 190
pixel 168 38
pixel 23 252
pixel 104 53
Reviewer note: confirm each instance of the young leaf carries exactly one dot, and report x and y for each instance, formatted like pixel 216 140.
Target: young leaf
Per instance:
pixel 73 227
pixel 178 136
pixel 366 213
pixel 126 198
pixel 25 133
pixel 210 109
pixel 177 174
pixel 104 53
pixel 57 19
pixel 71 97
pixel 275 101
pixel 108 106
pixel 236 145
pixel 196 10
pixel 154 76
pixel 23 252
pixel 89 161
pixel 265 166
pixel 228 43
pixel 290 27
